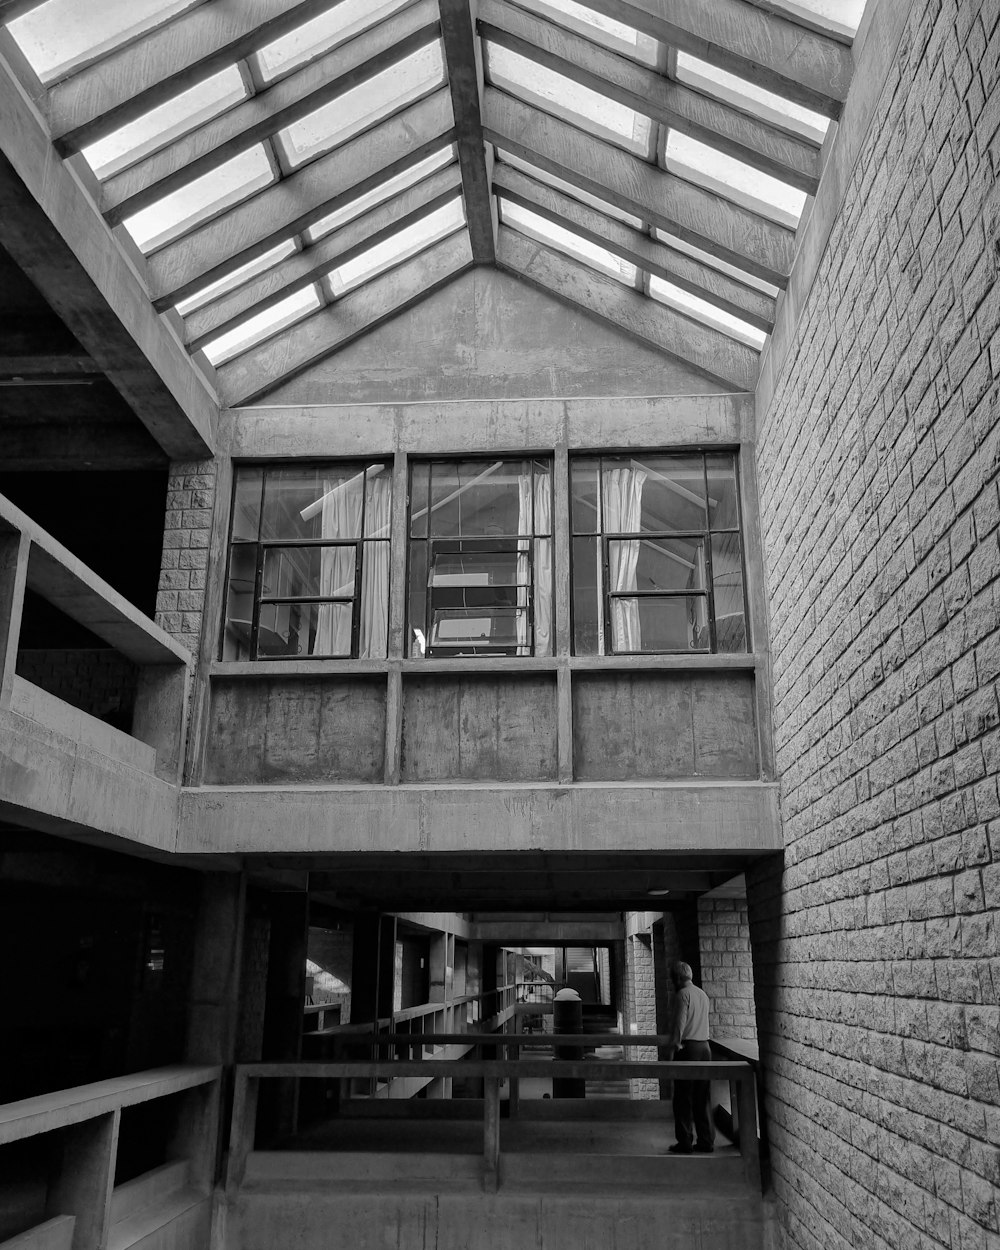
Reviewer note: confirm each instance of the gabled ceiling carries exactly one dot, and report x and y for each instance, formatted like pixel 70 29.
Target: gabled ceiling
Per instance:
pixel 285 175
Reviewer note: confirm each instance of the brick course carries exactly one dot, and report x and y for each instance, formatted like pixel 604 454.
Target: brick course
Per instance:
pixel 187 530
pixel 726 966
pixel 875 944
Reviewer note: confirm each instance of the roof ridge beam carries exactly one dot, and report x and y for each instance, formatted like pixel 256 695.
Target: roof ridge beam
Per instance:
pixel 257 224
pixel 270 122
pixel 130 81
pixel 728 294
pixel 277 360
pixel 463 59
pixel 707 349
pixel 757 143
pixel 781 55
pixel 707 220
pixel 301 270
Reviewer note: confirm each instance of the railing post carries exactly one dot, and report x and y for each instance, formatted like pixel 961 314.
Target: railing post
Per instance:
pixel 514 1081
pixel 749 1148
pixel 241 1138
pixel 491 1133
pixel 14 549
pixel 85 1177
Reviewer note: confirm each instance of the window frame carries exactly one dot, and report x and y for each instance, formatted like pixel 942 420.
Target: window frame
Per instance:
pixel 604 538
pixel 264 546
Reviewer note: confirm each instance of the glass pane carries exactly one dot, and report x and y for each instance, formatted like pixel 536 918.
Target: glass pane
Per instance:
pixel 244 273
pixel 657 564
pixel 713 262
pixel 727 580
pixel 468 631
pixel 705 311
pixel 374 601
pixel 542 522
pixel 480 498
pixel 707 166
pixel 577 193
pixel 548 232
pixel 587 576
pixel 378 502
pixel 314 38
pixel 401 246
pixel 311 503
pixel 420 479
pixel 246 505
pixel 649 623
pixel 418 600
pixel 583 496
pixel 304 629
pixel 263 325
pixel 657 494
pixel 323 572
pixel 723 509
pixel 239 602
pixel 542 598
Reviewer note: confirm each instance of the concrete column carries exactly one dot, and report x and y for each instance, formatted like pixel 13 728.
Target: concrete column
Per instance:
pixel 285 999
pixel 213 1013
pixel 13 576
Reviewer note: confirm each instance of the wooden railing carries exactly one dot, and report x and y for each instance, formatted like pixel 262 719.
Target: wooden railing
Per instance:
pixel 82 1202
pixel 491 1072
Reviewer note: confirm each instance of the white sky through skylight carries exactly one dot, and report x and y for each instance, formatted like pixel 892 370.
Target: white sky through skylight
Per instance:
pixel 759 191
pixel 604 30
pixel 747 95
pixel 61 35
pixel 558 184
pixel 714 262
pixel 545 231
pixel 195 202
pixel 312 39
pixel 256 329
pixel 705 312
pixel 363 105
pixel 231 281
pixel 401 246
pixel 842 16
pixel 167 122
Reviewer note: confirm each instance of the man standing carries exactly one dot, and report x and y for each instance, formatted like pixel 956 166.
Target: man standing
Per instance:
pixel 688 1034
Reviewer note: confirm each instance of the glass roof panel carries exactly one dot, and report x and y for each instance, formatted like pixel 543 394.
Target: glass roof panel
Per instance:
pixel 363 105
pixel 384 191
pixel 841 16
pixel 706 258
pixel 167 122
pixel 753 99
pixel 558 184
pixel 401 246
pixel 201 199
pixel 336 25
pixel 62 35
pixel 545 231
pixel 698 162
pixel 256 329
pixel 555 93
pixel 222 286
pixel 705 312
pixel 603 30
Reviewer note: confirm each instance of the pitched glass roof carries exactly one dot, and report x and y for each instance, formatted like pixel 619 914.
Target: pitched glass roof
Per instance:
pixel 252 225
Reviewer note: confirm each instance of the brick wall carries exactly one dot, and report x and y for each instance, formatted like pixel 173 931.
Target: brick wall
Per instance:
pixel 180 601
pixel 876 944
pixel 726 971
pixel 641 1006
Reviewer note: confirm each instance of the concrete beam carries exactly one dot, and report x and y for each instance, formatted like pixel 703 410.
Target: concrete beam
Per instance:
pixel 51 228
pixel 634 246
pixel 703 218
pixel 702 346
pixel 783 56
pixel 465 81
pixel 263 368
pixel 546 933
pixel 252 228
pixel 740 135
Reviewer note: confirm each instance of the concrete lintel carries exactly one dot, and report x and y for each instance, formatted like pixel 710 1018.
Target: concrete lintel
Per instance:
pixel 726 817
pixel 546 932
pixel 487 425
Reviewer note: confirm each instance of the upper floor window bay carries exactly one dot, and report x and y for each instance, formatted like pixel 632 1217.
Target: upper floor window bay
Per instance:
pixel 309 562
pixel 480 558
pixel 657 557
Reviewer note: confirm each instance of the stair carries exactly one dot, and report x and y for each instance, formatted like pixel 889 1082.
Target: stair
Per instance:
pixel 160 1210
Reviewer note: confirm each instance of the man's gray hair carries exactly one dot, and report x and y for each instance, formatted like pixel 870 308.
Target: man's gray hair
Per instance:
pixel 682 971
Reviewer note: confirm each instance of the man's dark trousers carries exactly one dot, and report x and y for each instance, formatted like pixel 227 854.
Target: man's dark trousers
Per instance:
pixel 692 1099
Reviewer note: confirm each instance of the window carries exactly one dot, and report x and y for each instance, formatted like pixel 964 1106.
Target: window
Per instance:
pixel 309 562
pixel 657 558
pixel 480 558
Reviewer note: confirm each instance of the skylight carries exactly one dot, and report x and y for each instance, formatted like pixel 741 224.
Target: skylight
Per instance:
pixel 362 106
pixel 705 312
pixel 313 39
pixel 384 191
pixel 568 188
pixel 545 231
pixel 753 99
pixel 256 329
pixel 603 30
pixel 222 286
pixel 748 186
pixel 201 199
pixel 841 16
pixel 555 93
pixel 406 243
pixel 63 35
pixel 714 262
pixel 167 122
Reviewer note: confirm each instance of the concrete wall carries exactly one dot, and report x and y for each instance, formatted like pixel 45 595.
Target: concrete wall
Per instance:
pixel 876 945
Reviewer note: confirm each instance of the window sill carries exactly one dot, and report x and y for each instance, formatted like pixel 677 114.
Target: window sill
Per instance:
pixel 480 664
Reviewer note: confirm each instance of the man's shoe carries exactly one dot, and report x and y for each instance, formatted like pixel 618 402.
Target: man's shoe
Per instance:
pixel 704 1150
pixel 678 1149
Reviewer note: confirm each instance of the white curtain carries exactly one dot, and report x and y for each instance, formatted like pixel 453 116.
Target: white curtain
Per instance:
pixel 541 591
pixel 621 498
pixel 341 518
pixel 375 571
